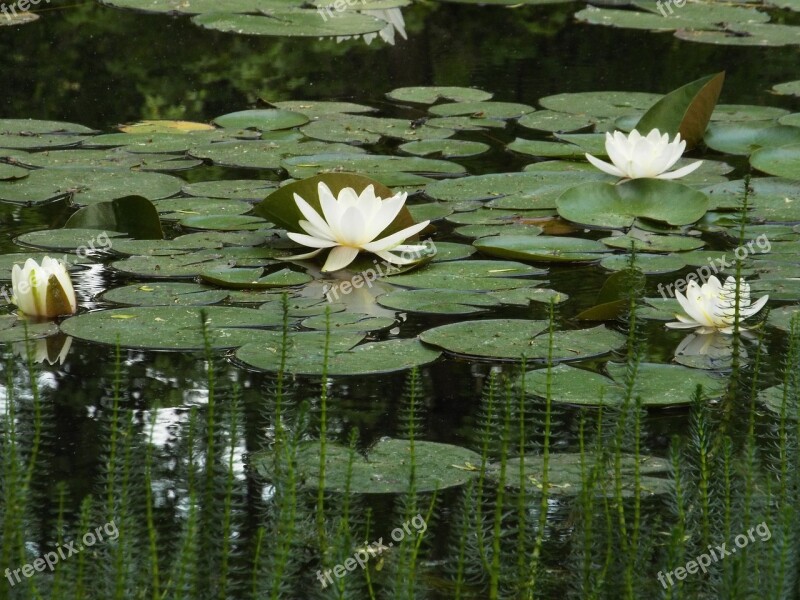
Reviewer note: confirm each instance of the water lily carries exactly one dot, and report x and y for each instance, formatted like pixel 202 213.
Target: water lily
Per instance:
pixel 711 307
pixel 352 223
pixel 636 156
pixel 43 291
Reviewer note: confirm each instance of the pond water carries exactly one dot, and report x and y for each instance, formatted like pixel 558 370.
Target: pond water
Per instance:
pixel 207 460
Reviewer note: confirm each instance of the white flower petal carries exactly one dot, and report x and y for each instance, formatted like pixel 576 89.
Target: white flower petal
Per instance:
pixel 395 239
pixel 311 242
pixel 339 258
pixel 604 166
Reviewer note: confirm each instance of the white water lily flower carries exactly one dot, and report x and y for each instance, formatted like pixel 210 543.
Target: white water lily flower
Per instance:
pixel 43 291
pixel 351 223
pixel 636 156
pixel 711 307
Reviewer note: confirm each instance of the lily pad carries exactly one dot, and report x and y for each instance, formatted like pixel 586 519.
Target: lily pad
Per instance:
pixel 445 148
pixel 783 161
pixel 438 302
pixel 87 186
pixel 433 94
pixel 511 339
pixel 17 329
pixel 746 138
pixel 347 321
pixel 243 278
pixel 482 110
pixel 472 275
pixel 134 216
pixel 385 470
pixel 172 327
pixel 269 119
pixel 657 384
pixel 617 206
pixel 295 22
pixel 307 349
pixel 565 475
pixel 240 189
pixel 541 248
pixel 165 294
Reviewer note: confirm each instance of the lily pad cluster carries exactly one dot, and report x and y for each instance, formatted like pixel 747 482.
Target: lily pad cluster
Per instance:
pixel 184 249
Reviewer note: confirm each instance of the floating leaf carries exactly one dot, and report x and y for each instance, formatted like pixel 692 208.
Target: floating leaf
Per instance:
pixel 541 248
pixel 165 294
pixel 172 327
pixel 687 110
pixel 567 473
pixel 617 206
pixel 511 339
pixel 385 470
pixel 307 349
pixel 134 216
pixel 432 94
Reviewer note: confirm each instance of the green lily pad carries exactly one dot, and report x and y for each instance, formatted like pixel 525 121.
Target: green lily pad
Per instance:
pixel 430 211
pixel 320 108
pixel 175 209
pixel 269 119
pixel 600 105
pixel 553 121
pixel 294 22
pixel 263 154
pixel 433 94
pixel 134 216
pixel 472 275
pixel 69 240
pixel 648 242
pixel 783 161
pixel 362 129
pixel 165 294
pixel 657 384
pixel 240 189
pixel 745 34
pixel 617 206
pixel 530 190
pixel 171 266
pixel 347 321
pixel 510 339
pixel 172 327
pixel 372 165
pixel 790 88
pixel 17 329
pixel 438 302
pixel 385 470
pixel 445 148
pixel 746 138
pixel 307 349
pixel 218 222
pixel 565 475
pixel 88 186
pixel 546 149
pixel 779 402
pixel 541 248
pixel 243 278
pixel 781 318
pixel 482 110
pixel 771 199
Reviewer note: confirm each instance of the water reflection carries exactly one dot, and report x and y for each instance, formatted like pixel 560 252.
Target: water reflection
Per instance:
pixel 53 349
pixel 396 23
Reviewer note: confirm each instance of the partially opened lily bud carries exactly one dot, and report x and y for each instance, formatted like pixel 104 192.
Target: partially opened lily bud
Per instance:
pixel 43 291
